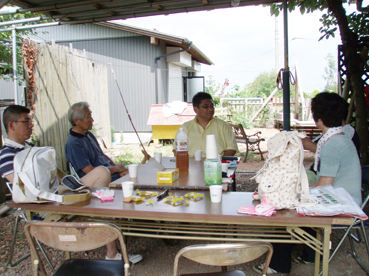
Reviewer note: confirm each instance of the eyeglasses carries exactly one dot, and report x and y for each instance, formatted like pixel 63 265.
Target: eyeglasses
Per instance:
pixel 207 106
pixel 29 122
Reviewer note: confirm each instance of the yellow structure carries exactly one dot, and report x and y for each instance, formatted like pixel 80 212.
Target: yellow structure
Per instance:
pixel 167 127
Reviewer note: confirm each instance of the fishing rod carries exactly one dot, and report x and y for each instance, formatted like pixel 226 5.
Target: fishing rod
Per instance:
pixel 129 116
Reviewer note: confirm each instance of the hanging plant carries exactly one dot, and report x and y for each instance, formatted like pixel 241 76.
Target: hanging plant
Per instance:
pixel 30 54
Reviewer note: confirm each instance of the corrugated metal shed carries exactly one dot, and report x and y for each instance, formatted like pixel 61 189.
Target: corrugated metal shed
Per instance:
pixel 132 59
pixel 132 56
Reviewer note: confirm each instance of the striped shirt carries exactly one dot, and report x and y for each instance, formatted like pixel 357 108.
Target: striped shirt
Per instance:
pixel 7 153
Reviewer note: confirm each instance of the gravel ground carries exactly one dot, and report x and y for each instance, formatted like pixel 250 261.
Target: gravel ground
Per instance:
pixel 159 257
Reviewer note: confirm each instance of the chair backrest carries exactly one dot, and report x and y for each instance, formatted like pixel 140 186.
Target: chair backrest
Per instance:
pixel 74 237
pixel 225 254
pixel 73 171
pixel 238 131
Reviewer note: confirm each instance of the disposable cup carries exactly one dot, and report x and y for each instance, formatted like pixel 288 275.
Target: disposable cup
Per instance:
pixel 127 187
pixel 216 193
pixel 220 157
pixel 198 155
pixel 132 169
pixel 158 156
pixel 211 141
pixel 211 153
pixel 225 167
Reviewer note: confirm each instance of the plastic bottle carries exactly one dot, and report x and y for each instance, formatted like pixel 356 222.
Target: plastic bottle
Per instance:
pixel 182 162
pixel 212 164
pixel 213 171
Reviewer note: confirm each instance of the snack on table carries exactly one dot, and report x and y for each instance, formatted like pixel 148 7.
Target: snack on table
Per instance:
pixel 194 196
pixel 175 201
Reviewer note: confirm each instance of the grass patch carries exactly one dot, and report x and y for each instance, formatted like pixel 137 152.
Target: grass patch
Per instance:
pixel 131 154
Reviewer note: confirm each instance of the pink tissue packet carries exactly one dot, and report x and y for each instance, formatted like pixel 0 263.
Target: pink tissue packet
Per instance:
pixel 104 195
pixel 262 209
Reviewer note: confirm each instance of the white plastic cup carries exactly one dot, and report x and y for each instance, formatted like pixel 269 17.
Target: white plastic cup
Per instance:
pixel 198 155
pixel 225 167
pixel 211 141
pixel 220 157
pixel 158 156
pixel 127 187
pixel 132 169
pixel 216 193
pixel 211 153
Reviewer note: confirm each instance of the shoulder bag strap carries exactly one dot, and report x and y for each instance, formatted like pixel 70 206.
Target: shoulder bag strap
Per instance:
pixel 82 196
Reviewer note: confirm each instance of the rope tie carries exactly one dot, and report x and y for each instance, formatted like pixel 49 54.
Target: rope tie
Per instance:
pixel 279 79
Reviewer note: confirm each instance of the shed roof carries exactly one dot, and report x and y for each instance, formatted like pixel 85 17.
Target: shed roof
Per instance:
pixel 172 40
pixel 156 116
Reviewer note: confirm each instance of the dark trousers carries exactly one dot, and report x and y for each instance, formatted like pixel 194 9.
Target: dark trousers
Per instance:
pixel 281 260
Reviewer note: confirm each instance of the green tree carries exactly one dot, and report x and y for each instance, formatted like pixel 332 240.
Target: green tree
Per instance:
pixel 6 55
pixel 212 87
pixel 353 28
pixel 331 74
pixel 315 92
pixel 263 85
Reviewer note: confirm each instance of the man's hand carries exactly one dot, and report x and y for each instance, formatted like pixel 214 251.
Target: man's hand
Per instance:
pixel 229 152
pixel 123 173
pixel 309 145
pixel 120 168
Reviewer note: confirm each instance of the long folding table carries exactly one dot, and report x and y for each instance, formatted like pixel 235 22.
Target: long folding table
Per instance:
pixel 198 220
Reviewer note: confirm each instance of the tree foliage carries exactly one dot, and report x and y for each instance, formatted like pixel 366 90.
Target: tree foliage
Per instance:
pixel 353 29
pixel 331 74
pixel 263 85
pixel 6 52
pixel 357 22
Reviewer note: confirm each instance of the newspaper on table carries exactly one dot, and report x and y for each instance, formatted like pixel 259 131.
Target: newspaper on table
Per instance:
pixel 332 202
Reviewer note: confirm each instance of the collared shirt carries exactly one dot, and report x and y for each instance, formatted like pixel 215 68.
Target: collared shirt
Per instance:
pixel 7 153
pixel 84 150
pixel 339 159
pixel 197 136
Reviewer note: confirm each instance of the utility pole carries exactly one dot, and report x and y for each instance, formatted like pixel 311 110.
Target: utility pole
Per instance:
pixel 276 45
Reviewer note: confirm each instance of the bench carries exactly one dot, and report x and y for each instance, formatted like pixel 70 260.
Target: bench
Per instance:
pixel 252 141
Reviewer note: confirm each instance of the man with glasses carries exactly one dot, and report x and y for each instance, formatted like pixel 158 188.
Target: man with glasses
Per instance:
pixel 19 126
pixel 204 124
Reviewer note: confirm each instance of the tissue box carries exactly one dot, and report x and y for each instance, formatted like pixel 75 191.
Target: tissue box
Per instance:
pixel 168 175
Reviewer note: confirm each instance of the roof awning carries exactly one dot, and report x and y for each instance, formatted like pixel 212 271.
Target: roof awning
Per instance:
pixel 89 11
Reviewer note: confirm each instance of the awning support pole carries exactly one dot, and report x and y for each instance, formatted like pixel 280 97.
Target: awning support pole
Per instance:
pixel 286 73
pixel 15 75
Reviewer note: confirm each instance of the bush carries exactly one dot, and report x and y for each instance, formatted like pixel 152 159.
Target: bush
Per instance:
pixel 241 118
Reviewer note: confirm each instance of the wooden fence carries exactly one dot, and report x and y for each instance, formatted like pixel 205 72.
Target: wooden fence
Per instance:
pixel 63 77
pixel 251 107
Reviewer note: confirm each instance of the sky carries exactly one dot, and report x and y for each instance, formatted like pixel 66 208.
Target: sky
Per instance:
pixel 241 42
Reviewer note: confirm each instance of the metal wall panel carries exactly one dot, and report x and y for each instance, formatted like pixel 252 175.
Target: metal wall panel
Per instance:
pixel 132 60
pixel 7 90
pixel 78 32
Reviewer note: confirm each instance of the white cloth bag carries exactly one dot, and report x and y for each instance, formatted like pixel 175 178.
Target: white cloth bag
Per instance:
pixel 36 177
pixel 283 178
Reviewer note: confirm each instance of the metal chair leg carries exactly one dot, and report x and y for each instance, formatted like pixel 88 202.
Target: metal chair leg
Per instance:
pixel 354 255
pixel 13 243
pixel 15 231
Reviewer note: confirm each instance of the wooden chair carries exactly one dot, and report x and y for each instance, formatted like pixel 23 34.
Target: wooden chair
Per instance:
pixel 224 255
pixel 252 141
pixel 77 237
